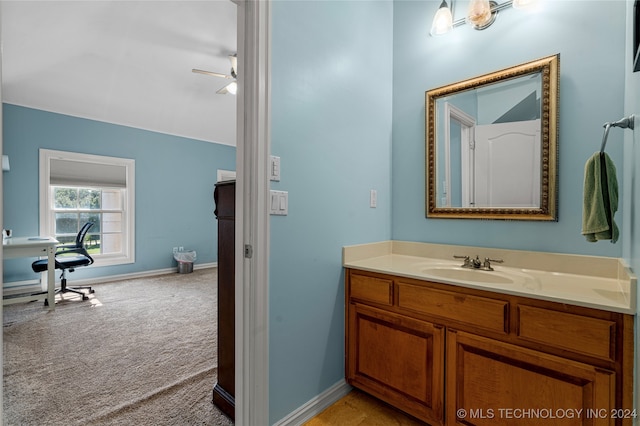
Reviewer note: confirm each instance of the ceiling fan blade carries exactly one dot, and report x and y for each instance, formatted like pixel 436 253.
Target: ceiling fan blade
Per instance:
pixel 214 74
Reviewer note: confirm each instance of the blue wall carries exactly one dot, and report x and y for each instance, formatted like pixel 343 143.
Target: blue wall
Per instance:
pixel 592 90
pixel 174 184
pixel 331 126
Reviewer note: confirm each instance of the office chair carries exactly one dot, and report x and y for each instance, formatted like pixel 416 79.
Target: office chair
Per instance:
pixel 69 263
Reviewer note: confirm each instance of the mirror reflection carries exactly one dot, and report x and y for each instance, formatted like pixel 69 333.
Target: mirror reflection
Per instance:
pixel 491 144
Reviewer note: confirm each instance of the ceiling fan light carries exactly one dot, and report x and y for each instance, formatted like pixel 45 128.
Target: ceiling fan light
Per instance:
pixel 234 64
pixel 232 87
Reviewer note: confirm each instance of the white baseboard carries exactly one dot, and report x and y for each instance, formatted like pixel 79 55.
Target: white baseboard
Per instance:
pixel 34 285
pixel 316 405
pixel 164 271
pixel 19 287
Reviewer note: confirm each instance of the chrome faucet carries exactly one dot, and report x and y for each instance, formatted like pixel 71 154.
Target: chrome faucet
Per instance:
pixel 477 263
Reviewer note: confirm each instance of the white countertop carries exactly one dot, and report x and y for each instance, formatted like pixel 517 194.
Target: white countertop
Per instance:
pixel 589 281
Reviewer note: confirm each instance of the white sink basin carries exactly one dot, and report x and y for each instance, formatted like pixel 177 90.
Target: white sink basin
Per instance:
pixel 473 275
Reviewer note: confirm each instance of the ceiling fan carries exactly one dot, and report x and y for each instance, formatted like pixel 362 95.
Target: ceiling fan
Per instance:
pixel 231 87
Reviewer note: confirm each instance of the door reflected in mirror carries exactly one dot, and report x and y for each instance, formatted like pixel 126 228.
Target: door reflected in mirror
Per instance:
pixel 491 145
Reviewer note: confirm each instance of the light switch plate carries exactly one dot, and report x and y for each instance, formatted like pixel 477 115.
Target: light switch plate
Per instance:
pixel 279 203
pixel 373 199
pixel 274 168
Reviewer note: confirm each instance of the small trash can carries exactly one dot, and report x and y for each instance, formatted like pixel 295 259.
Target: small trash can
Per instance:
pixel 185 261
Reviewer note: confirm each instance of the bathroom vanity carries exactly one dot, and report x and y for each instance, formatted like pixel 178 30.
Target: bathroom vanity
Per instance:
pixel 452 345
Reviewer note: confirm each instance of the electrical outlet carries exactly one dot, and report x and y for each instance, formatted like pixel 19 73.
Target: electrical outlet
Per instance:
pixel 175 249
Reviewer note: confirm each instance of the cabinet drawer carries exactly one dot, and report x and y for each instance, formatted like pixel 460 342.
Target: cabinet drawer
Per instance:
pixel 370 289
pixel 489 314
pixel 577 333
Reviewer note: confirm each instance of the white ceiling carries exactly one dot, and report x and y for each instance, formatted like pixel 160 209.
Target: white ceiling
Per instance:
pixel 123 62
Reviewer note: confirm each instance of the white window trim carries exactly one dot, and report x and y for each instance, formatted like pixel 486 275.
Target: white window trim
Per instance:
pixel 46 225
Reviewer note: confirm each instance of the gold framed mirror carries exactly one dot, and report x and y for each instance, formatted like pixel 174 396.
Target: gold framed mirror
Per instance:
pixel 492 145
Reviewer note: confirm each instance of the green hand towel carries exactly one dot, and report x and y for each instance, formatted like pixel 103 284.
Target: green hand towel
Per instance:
pixel 600 201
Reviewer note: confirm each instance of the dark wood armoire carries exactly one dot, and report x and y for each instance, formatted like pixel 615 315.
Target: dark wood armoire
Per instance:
pixel 224 197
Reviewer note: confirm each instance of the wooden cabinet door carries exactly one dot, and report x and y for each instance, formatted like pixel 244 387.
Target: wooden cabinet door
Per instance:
pixel 398 359
pixel 495 383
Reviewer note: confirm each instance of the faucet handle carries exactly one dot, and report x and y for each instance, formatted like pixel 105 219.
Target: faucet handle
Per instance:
pixel 467 260
pixel 487 263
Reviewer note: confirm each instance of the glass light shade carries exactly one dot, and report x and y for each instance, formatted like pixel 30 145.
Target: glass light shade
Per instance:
pixel 233 87
pixel 518 4
pixel 443 21
pixel 479 13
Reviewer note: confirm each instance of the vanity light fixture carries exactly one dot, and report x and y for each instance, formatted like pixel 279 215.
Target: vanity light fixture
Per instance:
pixel 520 4
pixel 443 21
pixel 480 14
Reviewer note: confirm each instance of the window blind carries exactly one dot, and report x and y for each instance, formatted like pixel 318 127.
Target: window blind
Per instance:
pixel 81 173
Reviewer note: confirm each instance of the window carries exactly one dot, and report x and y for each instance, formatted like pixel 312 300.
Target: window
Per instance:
pixel 78 188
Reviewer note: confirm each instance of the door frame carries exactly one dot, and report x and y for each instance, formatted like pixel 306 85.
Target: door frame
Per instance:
pixel 252 218
pixel 467 139
pixel 2 221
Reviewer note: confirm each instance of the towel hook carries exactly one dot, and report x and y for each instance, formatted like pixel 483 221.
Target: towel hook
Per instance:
pixel 623 123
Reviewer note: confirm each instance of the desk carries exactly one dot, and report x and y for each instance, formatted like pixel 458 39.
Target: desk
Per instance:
pixel 33 247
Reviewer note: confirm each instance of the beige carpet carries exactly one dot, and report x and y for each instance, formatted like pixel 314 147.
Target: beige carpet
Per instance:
pixel 139 352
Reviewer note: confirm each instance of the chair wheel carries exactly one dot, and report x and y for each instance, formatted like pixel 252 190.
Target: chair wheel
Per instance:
pixel 92 291
pixel 85 297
